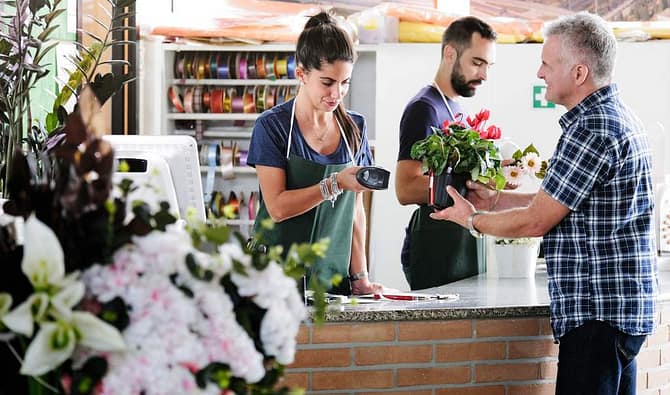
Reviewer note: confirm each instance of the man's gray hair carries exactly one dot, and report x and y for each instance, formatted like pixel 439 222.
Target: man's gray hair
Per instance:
pixel 586 38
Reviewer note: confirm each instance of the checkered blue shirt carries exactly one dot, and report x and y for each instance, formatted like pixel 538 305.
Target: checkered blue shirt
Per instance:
pixel 601 258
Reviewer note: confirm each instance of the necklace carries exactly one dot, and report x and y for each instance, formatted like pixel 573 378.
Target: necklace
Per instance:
pixel 322 137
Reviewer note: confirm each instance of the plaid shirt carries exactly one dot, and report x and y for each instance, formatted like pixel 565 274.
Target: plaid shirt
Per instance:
pixel 601 258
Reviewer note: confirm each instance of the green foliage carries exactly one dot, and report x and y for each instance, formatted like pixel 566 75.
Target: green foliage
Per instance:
pixel 462 149
pixel 518 154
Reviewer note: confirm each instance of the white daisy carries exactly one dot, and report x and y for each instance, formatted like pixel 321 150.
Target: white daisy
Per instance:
pixel 531 163
pixel 513 174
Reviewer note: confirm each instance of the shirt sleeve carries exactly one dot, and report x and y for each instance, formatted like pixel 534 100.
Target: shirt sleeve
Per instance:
pixel 268 143
pixel 581 161
pixel 415 124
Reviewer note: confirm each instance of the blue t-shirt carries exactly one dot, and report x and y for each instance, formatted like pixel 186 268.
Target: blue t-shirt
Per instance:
pixel 424 110
pixel 269 140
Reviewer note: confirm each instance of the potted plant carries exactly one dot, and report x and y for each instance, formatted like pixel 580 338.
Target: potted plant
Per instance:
pixel 517 257
pixel 456 152
pixel 26 30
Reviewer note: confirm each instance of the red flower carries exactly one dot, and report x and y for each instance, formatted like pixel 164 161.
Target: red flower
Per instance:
pixel 477 123
pixel 493 132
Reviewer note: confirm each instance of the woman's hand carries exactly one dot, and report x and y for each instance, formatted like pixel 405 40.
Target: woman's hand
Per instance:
pixel 346 180
pixel 364 286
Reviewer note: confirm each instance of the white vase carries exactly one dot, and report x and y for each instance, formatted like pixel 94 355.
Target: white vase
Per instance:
pixel 513 260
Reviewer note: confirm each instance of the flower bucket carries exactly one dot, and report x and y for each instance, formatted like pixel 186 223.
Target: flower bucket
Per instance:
pixel 438 197
pixel 515 260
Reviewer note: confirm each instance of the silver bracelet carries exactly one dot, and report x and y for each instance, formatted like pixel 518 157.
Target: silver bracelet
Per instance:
pixel 334 187
pixel 323 187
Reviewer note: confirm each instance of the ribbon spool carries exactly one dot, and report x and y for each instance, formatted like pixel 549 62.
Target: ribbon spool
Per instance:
pixel 270 93
pixel 251 67
pixel 213 66
pixel 206 100
pixel 232 67
pixel 215 203
pixel 281 67
pixel 222 66
pixel 237 102
pixel 188 100
pixel 226 163
pixel 260 65
pixel 179 66
pixel 216 101
pixel 212 156
pixel 270 66
pixel 197 99
pixel 241 66
pixel 200 66
pixel 259 93
pixel 188 66
pixel 175 98
pixel 291 67
pixel 248 100
pixel 228 100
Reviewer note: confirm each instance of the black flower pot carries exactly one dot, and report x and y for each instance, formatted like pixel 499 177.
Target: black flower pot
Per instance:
pixel 437 189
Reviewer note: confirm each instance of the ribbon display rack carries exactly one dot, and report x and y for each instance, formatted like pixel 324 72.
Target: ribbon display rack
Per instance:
pixel 215 95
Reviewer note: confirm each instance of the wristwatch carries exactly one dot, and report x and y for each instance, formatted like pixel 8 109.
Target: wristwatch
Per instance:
pixel 358 276
pixel 471 227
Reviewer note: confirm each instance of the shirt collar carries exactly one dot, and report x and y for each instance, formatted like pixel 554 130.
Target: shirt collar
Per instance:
pixel 599 96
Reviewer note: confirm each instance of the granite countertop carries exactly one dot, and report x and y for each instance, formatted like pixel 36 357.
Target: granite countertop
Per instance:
pixel 478 297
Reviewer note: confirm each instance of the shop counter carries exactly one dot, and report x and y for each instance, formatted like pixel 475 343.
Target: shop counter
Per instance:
pixel 495 338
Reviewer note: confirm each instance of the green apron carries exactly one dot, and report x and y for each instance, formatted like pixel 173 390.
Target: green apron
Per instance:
pixel 323 221
pixel 440 251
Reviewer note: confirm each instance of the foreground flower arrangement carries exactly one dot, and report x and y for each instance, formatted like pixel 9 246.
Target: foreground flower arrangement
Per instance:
pixel 156 306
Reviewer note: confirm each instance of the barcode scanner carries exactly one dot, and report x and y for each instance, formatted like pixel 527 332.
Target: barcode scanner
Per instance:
pixel 373 177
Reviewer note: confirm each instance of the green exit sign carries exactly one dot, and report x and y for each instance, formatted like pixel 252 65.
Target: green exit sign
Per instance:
pixel 539 100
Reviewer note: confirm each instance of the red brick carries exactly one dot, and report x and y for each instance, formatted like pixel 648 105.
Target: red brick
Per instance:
pixel 548 370
pixel 532 389
pixel 294 380
pixel 478 390
pixel 414 392
pixel 476 351
pixel 351 333
pixel 485 373
pixel 332 357
pixel 303 335
pixel 532 349
pixel 507 328
pixel 432 376
pixel 545 327
pixel 434 330
pixel 393 354
pixel 372 379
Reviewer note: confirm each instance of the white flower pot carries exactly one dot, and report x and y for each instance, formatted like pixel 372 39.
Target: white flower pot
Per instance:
pixel 512 260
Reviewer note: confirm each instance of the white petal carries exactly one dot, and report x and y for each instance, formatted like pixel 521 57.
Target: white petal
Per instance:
pixel 21 319
pixel 43 261
pixel 96 333
pixel 42 355
pixel 70 295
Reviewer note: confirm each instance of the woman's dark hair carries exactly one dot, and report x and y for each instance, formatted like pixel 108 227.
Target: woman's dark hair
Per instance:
pixel 323 41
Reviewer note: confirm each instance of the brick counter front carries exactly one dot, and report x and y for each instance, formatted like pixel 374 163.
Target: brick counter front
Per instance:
pixel 432 349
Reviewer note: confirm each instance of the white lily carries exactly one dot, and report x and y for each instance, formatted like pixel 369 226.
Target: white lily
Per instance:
pixel 43 262
pixel 55 342
pixel 53 345
pixel 63 302
pixel 22 319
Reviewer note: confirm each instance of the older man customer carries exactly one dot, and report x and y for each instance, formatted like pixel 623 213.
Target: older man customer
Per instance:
pixel 594 209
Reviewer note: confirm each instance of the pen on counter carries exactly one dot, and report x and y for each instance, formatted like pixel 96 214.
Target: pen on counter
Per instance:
pixel 400 297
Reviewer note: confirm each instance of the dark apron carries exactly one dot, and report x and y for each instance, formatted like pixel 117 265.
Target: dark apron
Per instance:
pixel 440 252
pixel 323 221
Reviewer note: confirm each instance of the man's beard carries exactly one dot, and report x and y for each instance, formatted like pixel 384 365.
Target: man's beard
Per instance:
pixel 460 85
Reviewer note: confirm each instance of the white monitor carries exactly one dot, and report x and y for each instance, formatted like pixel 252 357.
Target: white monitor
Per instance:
pixel 169 163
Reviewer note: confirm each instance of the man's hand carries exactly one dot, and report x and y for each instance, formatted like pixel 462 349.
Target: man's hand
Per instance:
pixel 457 213
pixel 480 195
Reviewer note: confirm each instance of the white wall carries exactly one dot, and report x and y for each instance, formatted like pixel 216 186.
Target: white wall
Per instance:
pixel 402 69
